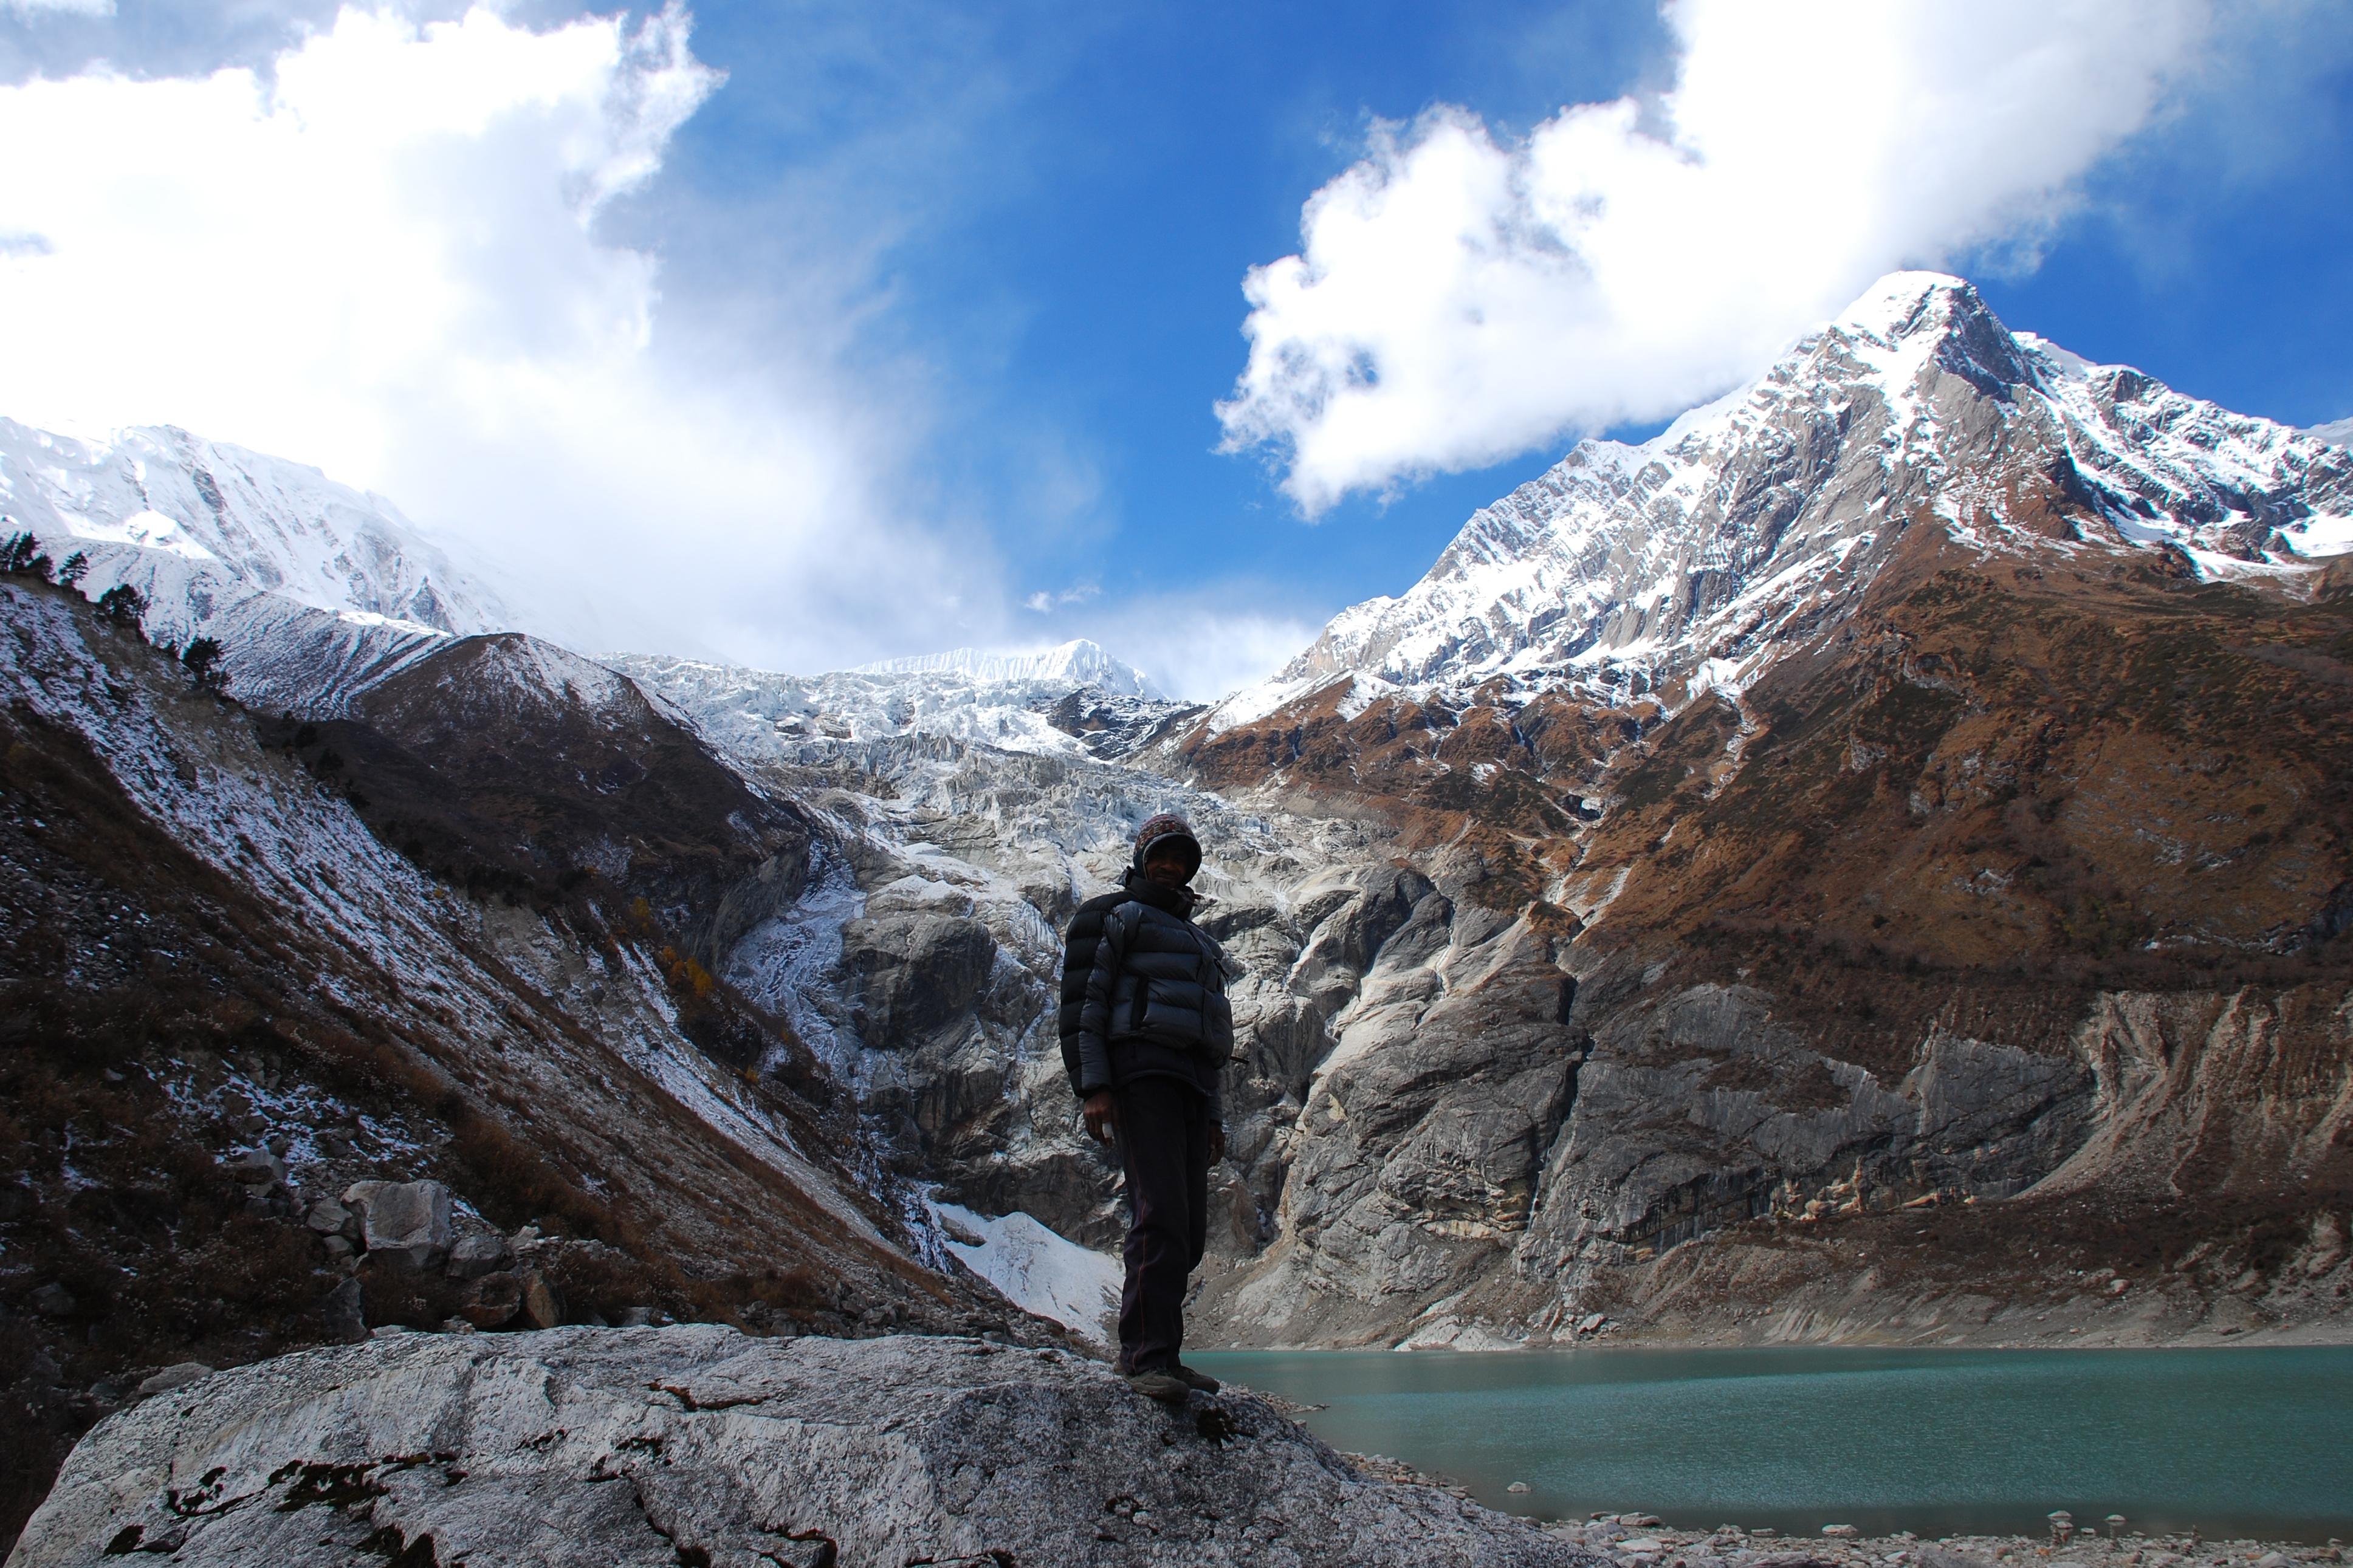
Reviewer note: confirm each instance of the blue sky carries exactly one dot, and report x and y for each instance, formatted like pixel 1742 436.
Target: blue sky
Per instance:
pixel 924 314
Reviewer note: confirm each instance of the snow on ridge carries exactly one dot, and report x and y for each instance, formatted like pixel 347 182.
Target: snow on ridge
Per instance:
pixel 2336 432
pixel 1078 662
pixel 1686 561
pixel 764 715
pixel 203 527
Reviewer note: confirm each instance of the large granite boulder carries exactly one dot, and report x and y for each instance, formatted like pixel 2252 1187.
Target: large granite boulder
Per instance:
pixel 693 1444
pixel 403 1222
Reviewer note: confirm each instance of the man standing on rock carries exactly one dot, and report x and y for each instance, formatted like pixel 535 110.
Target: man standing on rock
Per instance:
pixel 1145 1031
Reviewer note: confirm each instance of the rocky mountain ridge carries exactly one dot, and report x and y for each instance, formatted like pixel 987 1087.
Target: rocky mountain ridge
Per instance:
pixel 321 588
pixel 253 962
pixel 1699 555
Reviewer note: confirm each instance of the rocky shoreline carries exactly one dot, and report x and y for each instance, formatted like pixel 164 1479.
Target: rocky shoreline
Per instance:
pixel 1640 1541
pixel 1644 1541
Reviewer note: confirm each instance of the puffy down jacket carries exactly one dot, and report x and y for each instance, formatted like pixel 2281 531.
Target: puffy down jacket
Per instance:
pixel 1151 999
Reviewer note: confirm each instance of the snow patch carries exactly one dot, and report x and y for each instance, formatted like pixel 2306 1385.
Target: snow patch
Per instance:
pixel 1038 1270
pixel 147 529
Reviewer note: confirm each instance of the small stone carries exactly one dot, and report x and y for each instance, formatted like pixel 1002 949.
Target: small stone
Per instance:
pixel 257 1168
pixel 543 1303
pixel 54 1301
pixel 340 1313
pixel 493 1301
pixel 1517 1487
pixel 172 1377
pixel 337 1248
pixel 1841 1531
pixel 327 1217
pixel 477 1256
pixel 1590 1323
pixel 458 1326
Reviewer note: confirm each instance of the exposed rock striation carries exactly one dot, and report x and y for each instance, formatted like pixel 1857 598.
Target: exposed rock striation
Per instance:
pixel 607 1447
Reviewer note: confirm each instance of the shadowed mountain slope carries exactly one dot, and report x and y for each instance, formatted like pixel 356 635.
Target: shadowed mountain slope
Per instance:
pixel 226 1000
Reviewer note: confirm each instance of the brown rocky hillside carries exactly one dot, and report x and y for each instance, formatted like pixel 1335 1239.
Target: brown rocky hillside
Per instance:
pixel 246 963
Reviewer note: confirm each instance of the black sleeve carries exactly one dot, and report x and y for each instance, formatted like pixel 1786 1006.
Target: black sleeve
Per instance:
pixel 1078 963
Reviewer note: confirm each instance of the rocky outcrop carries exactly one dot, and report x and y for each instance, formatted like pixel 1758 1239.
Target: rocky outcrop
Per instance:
pixel 694 1444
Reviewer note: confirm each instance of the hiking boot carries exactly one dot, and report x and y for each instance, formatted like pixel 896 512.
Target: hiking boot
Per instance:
pixel 1200 1380
pixel 1153 1383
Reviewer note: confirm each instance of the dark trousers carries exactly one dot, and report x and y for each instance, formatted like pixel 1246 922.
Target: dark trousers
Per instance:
pixel 1164 1141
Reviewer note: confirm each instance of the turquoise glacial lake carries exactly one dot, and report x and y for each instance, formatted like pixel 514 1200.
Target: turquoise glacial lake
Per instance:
pixel 2254 1442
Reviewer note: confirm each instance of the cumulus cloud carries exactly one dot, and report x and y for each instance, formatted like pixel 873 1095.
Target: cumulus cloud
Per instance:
pixel 1198 651
pixel 1461 298
pixel 386 255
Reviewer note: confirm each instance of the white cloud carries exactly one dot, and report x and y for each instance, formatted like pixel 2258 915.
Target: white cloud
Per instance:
pixel 1201 653
pixel 383 256
pixel 1460 299
pixel 1046 603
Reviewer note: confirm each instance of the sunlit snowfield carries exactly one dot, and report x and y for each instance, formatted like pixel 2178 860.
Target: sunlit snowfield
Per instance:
pixel 2237 1442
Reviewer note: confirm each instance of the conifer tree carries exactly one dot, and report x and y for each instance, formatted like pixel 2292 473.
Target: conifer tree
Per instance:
pixel 123 605
pixel 76 568
pixel 20 556
pixel 202 659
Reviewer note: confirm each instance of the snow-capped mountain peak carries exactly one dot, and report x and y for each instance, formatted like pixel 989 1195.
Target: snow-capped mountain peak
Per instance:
pixel 1689 560
pixel 198 525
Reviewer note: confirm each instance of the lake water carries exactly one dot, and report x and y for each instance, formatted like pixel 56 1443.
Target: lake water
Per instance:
pixel 2254 1442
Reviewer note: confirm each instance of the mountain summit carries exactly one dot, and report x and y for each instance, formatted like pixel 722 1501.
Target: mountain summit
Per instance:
pixel 1694 559
pixel 199 526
